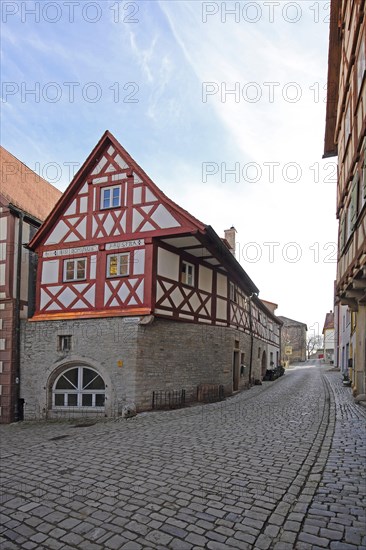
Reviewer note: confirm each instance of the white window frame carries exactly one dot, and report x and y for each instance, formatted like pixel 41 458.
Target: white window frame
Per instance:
pixel 110 205
pixel 363 177
pixel 360 64
pixel 79 391
pixel 347 122
pixel 75 278
pixel 119 255
pixel 232 291
pixel 185 277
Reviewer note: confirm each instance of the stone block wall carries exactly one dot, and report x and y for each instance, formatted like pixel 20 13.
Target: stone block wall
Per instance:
pixel 176 355
pixel 99 343
pixel 133 358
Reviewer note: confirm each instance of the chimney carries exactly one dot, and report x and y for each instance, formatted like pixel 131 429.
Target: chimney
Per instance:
pixel 230 237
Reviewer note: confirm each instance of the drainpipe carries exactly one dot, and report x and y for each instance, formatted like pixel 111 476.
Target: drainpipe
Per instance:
pixel 251 340
pixel 17 340
pixel 251 335
pixel 280 345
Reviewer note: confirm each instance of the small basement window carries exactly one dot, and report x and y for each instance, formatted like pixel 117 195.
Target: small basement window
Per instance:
pixel 64 343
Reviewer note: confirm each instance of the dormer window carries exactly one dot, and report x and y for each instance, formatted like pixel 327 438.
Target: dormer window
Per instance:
pixel 110 197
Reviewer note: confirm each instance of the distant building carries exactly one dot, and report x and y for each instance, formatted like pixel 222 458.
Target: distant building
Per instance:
pixel 344 339
pixel 345 137
pixel 270 305
pixel 328 337
pixel 25 201
pixel 293 340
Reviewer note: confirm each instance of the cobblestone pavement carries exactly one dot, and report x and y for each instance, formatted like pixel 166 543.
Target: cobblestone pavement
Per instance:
pixel 280 466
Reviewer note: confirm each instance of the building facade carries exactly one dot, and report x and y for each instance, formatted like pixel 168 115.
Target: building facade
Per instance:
pixel 344 330
pixel 345 137
pixel 25 201
pixel 329 337
pixel 293 340
pixel 135 295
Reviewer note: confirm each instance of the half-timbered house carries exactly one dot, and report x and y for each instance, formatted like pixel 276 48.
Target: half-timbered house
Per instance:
pixel 25 201
pixel 135 295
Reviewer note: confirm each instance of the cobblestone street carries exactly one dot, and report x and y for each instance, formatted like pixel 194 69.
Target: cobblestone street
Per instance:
pixel 281 466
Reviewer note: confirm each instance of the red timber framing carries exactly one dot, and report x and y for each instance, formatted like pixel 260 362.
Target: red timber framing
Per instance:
pixel 174 266
pixel 220 292
pixel 111 208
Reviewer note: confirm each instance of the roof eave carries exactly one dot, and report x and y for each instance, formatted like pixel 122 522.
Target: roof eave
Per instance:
pixel 334 58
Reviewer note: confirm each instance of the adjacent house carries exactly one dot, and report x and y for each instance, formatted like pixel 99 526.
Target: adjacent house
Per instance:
pixel 345 137
pixel 134 295
pixel 293 340
pixel 328 337
pixel 25 201
pixel 344 333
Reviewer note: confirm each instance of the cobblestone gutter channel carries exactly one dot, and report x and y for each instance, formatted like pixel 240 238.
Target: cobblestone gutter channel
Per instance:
pixel 278 467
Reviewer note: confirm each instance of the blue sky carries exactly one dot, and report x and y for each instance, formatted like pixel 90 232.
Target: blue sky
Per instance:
pixel 158 75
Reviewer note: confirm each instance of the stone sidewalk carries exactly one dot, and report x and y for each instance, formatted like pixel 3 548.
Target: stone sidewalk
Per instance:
pixel 280 466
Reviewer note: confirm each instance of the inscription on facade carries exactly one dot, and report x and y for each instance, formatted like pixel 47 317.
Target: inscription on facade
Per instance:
pixel 70 251
pixel 124 244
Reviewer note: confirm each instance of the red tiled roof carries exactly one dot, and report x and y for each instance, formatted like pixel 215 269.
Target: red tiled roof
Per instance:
pixel 106 138
pixel 24 188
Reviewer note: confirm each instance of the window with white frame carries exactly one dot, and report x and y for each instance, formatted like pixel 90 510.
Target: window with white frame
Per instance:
pixel 232 292
pixel 342 231
pixel 110 197
pixel 187 274
pixel 363 177
pixel 348 223
pixel 347 122
pixel 361 64
pixel 354 202
pixel 79 387
pixel 75 269
pixel 118 265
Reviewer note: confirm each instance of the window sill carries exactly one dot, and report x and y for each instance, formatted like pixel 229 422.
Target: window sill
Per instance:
pixel 75 407
pixel 101 209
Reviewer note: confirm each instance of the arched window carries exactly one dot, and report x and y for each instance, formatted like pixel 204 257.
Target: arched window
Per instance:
pixel 79 387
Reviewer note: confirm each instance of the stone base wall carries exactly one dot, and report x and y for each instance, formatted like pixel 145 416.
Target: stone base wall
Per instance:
pixel 134 359
pixel 176 355
pixel 101 344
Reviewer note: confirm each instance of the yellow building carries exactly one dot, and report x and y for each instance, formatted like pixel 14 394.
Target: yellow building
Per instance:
pixel 345 138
